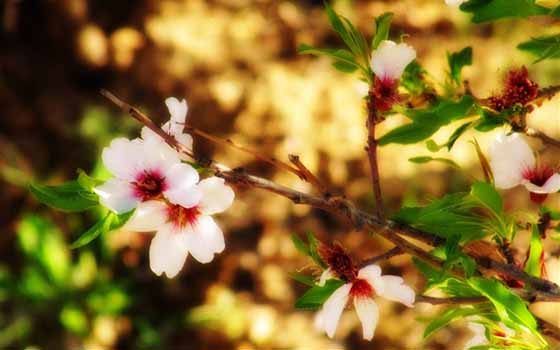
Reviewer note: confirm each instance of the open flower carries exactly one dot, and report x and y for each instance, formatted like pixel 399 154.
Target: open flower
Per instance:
pixel 368 283
pixel 513 163
pixel 184 229
pixel 500 332
pixel 146 170
pixel 176 124
pixel 388 62
pixel 454 3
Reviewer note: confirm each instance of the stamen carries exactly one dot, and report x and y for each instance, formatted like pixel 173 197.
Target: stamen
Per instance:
pixel 149 184
pixel 361 288
pixel 181 217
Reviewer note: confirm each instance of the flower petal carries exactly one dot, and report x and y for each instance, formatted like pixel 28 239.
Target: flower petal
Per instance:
pixel 167 253
pixel 204 239
pixel 117 195
pixel 372 274
pixel 394 289
pixel 509 157
pixel 333 307
pixel 178 110
pixel 368 313
pixel 326 275
pixel 181 179
pixel 123 158
pixel 158 155
pixel 389 60
pixel 216 196
pixel 552 185
pixel 149 216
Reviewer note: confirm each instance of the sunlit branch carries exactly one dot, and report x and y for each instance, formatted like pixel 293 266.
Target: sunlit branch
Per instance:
pixel 371 148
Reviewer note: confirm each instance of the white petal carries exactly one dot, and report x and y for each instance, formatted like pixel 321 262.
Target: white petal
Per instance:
pixel 509 157
pixel 149 216
pixel 216 196
pixel 117 195
pixel 319 321
pixel 326 275
pixel 167 253
pixel 184 139
pixel 372 274
pixel 396 290
pixel 177 109
pixel 368 313
pixel 158 155
pixel 148 135
pixel 204 239
pixel 454 3
pixel 181 179
pixel 123 158
pixel 333 307
pixel 389 60
pixel 477 340
pixel 552 185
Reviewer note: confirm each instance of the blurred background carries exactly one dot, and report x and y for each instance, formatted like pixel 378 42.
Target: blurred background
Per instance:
pixel 236 63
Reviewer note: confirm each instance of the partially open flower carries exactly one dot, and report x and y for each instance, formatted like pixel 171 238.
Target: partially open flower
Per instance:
pixel 513 164
pixel 501 332
pixel 183 230
pixel 143 171
pixel 388 62
pixel 176 124
pixel 367 283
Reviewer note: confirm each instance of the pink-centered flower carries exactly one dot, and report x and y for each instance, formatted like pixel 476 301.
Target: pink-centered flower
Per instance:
pixel 388 62
pixel 182 230
pixel 146 170
pixel 513 163
pixel 367 284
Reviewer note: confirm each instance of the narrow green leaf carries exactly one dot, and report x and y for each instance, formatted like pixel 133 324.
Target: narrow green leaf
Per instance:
pixel 426 159
pixel 344 67
pixel 305 279
pixel 543 47
pixel 300 245
pixel 533 264
pixel 509 306
pixel 345 33
pixel 383 25
pixel 110 222
pixel 316 296
pixel 457 61
pixel 456 134
pixel 87 182
pixel 313 245
pixel 487 195
pixel 70 196
pixel 447 317
pixel 491 10
pixel 413 79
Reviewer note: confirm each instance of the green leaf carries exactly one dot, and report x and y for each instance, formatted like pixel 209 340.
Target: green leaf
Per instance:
pixel 305 279
pixel 427 121
pixel 70 196
pixel 543 47
pixel 344 67
pixel 487 195
pixel 457 61
pixel 413 79
pixel 445 217
pixel 300 245
pixel 490 120
pixel 313 245
pixel 383 25
pixel 437 278
pixel 351 37
pixel 341 56
pixel 315 297
pixel 426 159
pixel 110 222
pixel 533 264
pixel 491 10
pixel 87 182
pixel 447 317
pixel 509 306
pixel 456 134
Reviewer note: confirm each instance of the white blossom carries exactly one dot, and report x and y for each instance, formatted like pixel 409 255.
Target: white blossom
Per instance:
pixel 144 170
pixel 361 291
pixel 390 59
pixel 479 334
pixel 182 230
pixel 513 163
pixel 176 124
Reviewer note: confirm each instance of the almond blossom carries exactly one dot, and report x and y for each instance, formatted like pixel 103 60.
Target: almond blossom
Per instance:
pixel 182 230
pixel 502 332
pixel 513 163
pixel 388 62
pixel 454 3
pixel 368 283
pixel 146 170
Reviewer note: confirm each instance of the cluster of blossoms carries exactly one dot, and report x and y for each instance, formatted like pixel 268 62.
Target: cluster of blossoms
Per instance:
pixel 513 163
pixel 360 286
pixel 167 195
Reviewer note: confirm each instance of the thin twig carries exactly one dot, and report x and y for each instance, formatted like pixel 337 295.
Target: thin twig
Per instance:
pixel 308 175
pixel 541 135
pixel 450 300
pixel 372 154
pixel 385 256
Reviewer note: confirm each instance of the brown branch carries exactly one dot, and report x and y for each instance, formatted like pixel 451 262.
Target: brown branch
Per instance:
pixel 544 290
pixel 387 255
pixel 549 329
pixel 371 148
pixel 450 300
pixel 308 175
pixel 542 136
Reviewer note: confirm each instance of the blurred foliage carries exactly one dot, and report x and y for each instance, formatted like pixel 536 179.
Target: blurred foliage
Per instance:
pixel 237 64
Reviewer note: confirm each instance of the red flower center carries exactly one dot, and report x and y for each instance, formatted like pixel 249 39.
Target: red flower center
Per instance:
pixel 181 217
pixel 339 262
pixel 149 184
pixel 539 174
pixel 361 288
pixel 384 94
